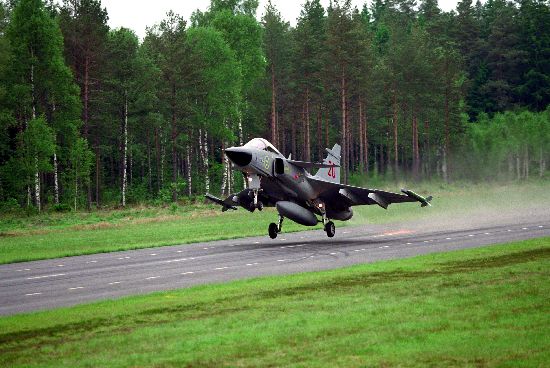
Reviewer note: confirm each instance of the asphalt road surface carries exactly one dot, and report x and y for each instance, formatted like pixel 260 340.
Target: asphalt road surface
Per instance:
pixel 68 281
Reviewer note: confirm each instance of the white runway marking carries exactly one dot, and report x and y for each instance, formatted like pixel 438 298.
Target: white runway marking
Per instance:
pixel 426 241
pixel 509 230
pixel 487 233
pixel 524 228
pixel 45 276
pixel 25 269
pixel 152 278
pixel 281 260
pixel 256 242
pixel 221 268
pixel 187 273
pixel 333 254
pixel 409 243
pixel 357 250
pixel 91 262
pixel 176 260
pixel 180 251
pixel 114 283
pixel 541 226
pixel 385 246
pixel 448 238
pixel 76 288
pixel 471 235
pixel 60 265
pixel 153 254
pixel 31 294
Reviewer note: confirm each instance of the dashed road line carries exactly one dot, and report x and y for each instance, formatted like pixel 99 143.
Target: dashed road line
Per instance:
pixel 45 276
pixel 176 260
pixel 152 277
pixel 187 273
pixel 114 283
pixel 76 288
pixel 32 294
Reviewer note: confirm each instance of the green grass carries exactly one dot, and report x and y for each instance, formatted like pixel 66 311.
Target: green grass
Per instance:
pixel 52 235
pixel 480 307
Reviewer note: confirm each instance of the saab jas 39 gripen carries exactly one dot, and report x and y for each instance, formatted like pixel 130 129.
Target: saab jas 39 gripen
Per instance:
pixel 275 181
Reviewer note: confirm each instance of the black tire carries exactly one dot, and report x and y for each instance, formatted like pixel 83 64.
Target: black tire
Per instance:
pixel 260 206
pixel 330 229
pixel 273 230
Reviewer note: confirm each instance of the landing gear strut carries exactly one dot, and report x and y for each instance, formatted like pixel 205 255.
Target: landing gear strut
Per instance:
pixel 253 193
pixel 274 228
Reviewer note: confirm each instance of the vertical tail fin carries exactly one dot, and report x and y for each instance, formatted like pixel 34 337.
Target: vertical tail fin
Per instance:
pixel 331 174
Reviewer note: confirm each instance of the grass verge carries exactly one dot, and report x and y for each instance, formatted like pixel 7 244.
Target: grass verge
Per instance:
pixel 480 307
pixel 58 235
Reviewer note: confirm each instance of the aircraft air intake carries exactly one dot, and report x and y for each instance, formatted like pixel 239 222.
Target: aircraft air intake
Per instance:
pixel 239 156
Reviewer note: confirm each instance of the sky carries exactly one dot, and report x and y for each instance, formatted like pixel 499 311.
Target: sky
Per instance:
pixel 139 14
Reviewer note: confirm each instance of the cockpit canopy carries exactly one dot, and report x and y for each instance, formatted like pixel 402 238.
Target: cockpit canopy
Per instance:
pixel 262 144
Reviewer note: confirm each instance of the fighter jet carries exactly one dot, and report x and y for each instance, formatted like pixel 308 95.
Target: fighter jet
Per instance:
pixel 275 181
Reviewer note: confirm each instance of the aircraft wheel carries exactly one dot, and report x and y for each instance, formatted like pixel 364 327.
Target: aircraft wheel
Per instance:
pixel 330 229
pixel 260 206
pixel 273 230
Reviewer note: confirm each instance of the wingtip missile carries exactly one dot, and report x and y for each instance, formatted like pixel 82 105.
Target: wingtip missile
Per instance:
pixel 424 201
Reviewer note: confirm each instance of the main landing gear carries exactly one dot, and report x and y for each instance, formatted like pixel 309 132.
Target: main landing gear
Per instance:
pixel 330 229
pixel 274 228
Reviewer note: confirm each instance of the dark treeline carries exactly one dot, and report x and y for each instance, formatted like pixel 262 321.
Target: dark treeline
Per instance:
pixel 91 115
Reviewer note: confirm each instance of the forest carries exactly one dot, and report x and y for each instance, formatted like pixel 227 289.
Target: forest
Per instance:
pixel 92 116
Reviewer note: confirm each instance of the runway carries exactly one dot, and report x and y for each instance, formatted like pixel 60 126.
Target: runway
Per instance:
pixel 40 285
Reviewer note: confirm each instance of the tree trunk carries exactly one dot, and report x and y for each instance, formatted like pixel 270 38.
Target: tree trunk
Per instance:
pixel 306 132
pixel 327 142
pixel 395 145
pixel 157 158
pixel 55 179
pixel 86 117
pixel 75 185
pixel 293 139
pixel 149 170
pixel 125 151
pixel 447 125
pixel 174 146
pixel 319 135
pixel 366 138
pixel 273 107
pixel 97 171
pixel 416 154
pixel 361 138
pixel 189 176
pixel 204 156
pixel 37 185
pixel 344 128
pixel 225 172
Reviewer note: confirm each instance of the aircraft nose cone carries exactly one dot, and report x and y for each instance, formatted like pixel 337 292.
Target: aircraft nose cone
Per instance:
pixel 239 156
